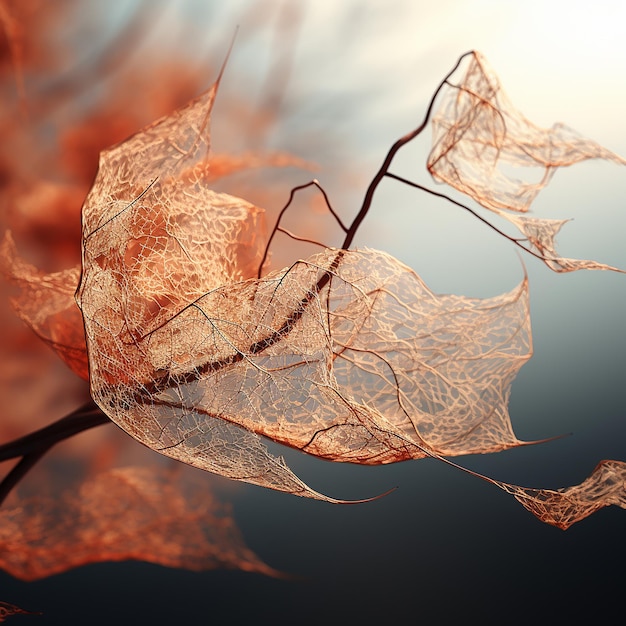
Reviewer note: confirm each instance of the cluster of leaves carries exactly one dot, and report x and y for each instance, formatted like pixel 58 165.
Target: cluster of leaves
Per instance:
pixel 195 349
pixel 149 507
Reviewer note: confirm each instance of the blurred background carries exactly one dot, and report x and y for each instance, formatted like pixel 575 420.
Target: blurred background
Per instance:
pixel 335 84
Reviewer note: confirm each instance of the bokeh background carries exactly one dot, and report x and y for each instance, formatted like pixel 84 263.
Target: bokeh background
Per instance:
pixel 336 83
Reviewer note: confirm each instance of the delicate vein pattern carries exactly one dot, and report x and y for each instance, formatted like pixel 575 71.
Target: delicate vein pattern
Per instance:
pixel 196 362
pixel 373 363
pixel 485 148
pixel 564 507
pixel 147 514
pixel 346 355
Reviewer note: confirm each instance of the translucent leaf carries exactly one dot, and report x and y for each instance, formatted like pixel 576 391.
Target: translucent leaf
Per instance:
pixel 196 362
pixel 46 303
pixel 372 369
pixel 541 234
pixel 564 507
pixel 346 355
pixel 485 148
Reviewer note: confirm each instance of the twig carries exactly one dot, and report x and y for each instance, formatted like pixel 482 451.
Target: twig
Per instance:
pixel 384 168
pixel 33 446
pixel 277 227
pixel 437 194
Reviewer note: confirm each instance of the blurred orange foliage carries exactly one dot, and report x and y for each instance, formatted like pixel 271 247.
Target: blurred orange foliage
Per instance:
pixel 62 105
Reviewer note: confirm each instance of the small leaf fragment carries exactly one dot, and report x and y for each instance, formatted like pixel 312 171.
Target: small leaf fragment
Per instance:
pixel 486 149
pixel 563 507
pixel 7 609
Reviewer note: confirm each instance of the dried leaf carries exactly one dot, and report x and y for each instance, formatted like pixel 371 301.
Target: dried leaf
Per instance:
pixel 193 360
pixel 564 507
pixel 46 303
pixel 485 148
pixel 541 233
pixel 7 609
pixel 346 355
pixel 373 369
pixel 140 513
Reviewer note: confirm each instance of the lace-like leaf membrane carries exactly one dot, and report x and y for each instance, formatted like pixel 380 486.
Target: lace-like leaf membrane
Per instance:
pixel 346 355
pixel 481 143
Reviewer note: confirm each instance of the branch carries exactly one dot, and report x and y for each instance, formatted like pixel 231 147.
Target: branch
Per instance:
pixel 277 227
pixel 34 446
pixel 149 388
pixel 384 168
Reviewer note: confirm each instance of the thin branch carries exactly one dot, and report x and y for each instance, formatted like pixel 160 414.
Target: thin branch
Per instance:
pixel 298 238
pixel 432 192
pixel 33 447
pixel 83 418
pixel 18 472
pixel 384 168
pixel 277 228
